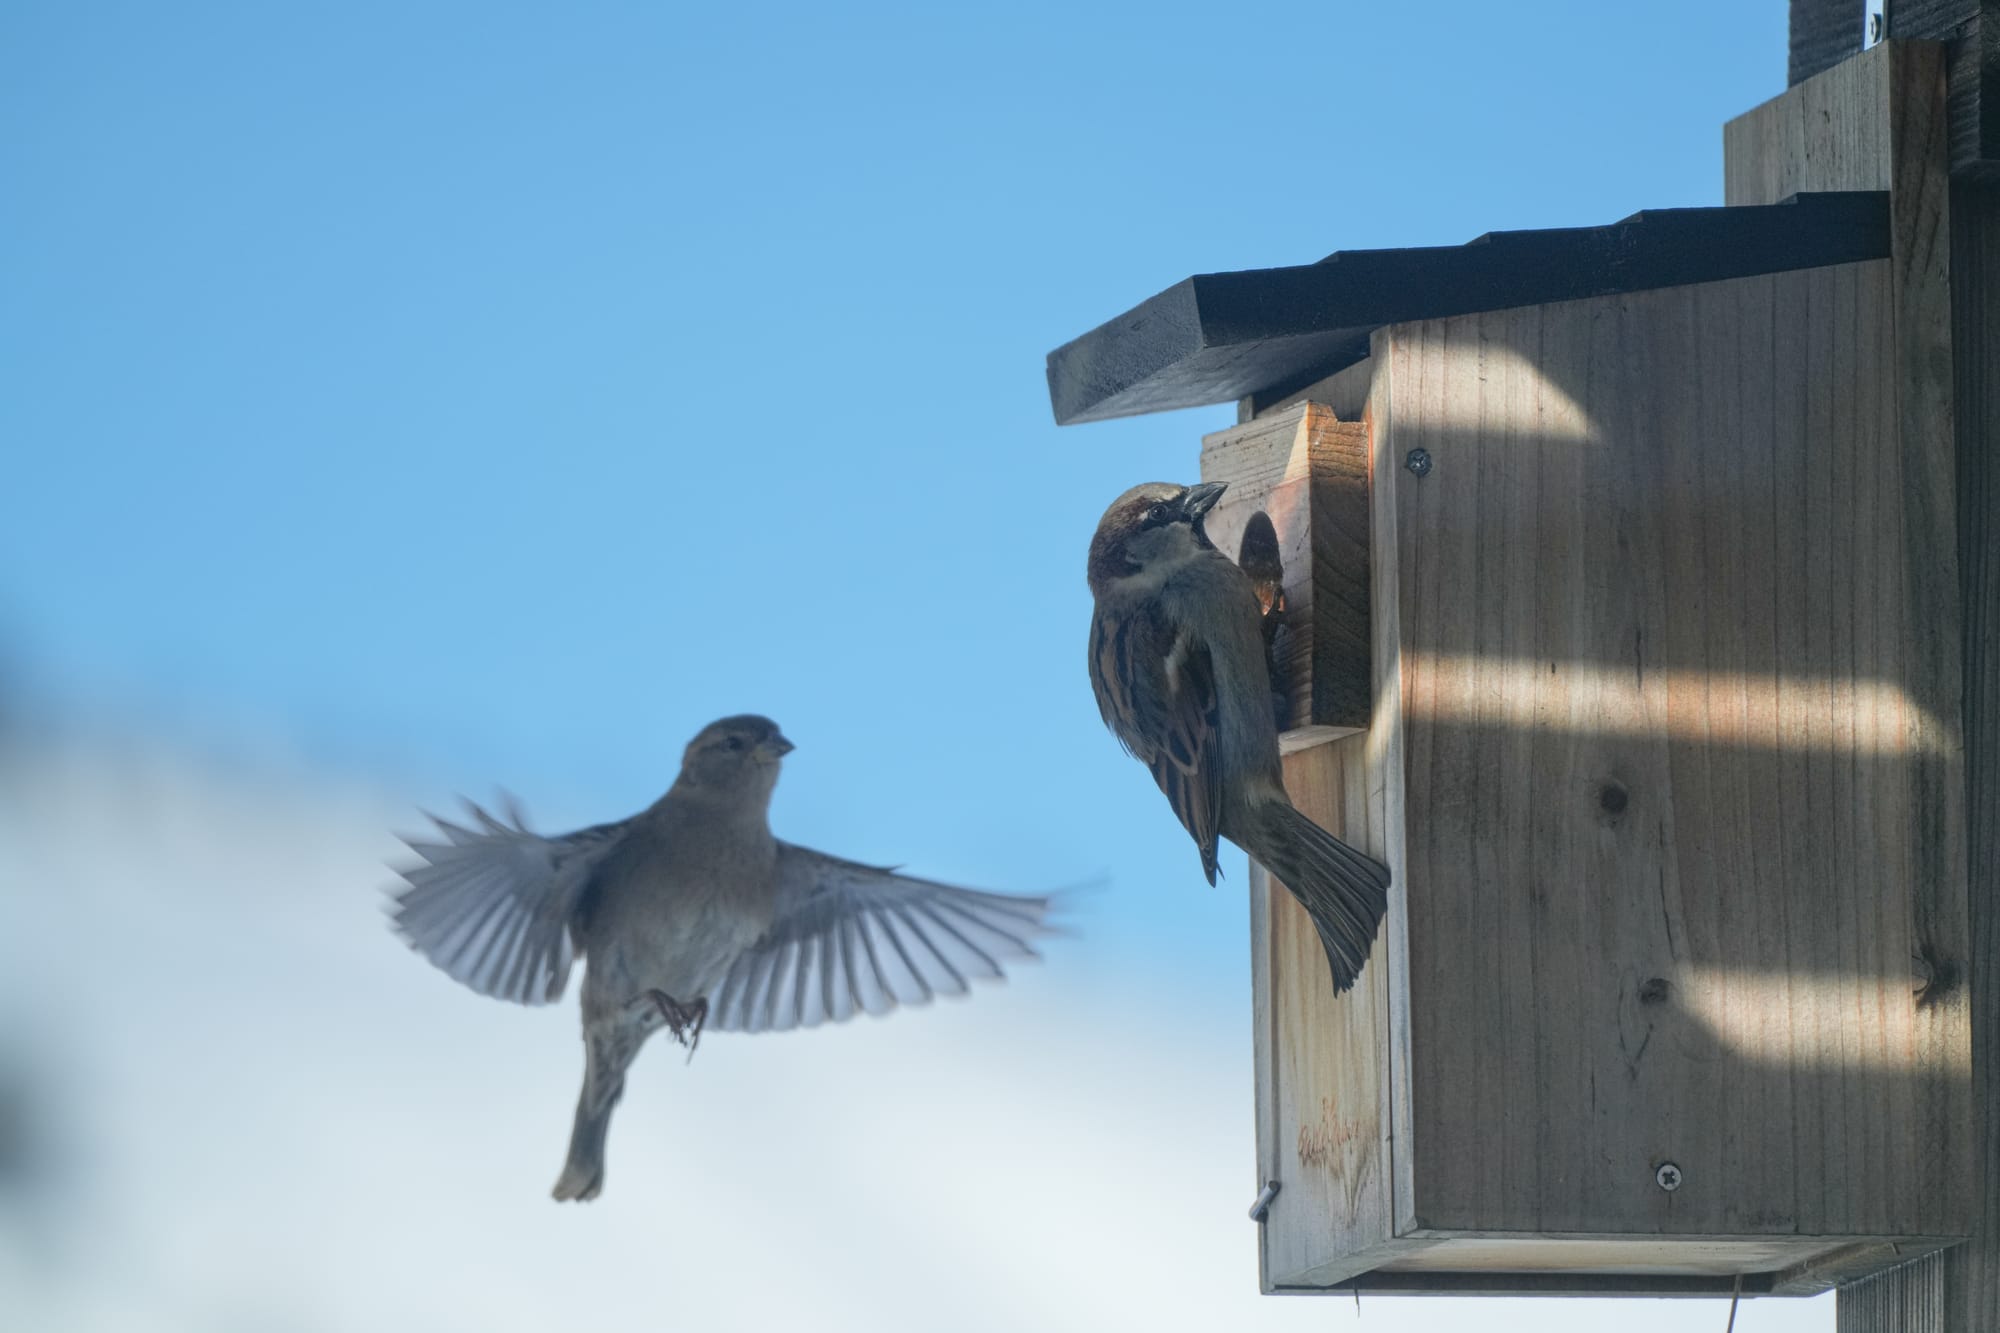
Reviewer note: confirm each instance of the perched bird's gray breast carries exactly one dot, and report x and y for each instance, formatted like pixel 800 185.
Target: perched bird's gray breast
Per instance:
pixel 1215 599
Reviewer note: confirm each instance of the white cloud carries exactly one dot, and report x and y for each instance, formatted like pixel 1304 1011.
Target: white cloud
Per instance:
pixel 263 1113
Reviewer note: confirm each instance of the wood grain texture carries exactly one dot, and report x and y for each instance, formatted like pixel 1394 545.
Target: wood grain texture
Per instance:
pixel 1345 391
pixel 1960 1289
pixel 1910 1299
pixel 1308 471
pixel 1680 768
pixel 1387 761
pixel 1667 763
pixel 1324 1105
pixel 1264 333
pixel 1830 132
pixel 1822 34
pixel 1972 30
pixel 1654 763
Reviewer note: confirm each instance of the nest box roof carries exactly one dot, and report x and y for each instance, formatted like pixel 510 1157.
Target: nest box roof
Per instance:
pixel 1216 337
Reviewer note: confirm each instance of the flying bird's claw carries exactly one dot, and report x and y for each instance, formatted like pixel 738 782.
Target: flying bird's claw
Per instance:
pixel 684 1021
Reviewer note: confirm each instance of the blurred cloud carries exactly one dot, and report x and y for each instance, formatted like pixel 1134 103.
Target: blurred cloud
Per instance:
pixel 276 1118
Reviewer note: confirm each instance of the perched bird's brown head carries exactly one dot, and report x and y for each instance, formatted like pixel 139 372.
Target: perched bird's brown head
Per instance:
pixel 735 755
pixel 1154 523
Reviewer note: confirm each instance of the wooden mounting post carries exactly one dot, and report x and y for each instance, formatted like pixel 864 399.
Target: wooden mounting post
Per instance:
pixel 1960 1288
pixel 1880 118
pixel 1971 31
pixel 1823 33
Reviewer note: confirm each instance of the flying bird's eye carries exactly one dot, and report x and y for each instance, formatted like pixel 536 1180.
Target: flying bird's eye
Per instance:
pixel 735 742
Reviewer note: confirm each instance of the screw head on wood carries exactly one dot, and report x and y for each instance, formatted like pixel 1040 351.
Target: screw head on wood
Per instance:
pixel 1668 1177
pixel 1418 462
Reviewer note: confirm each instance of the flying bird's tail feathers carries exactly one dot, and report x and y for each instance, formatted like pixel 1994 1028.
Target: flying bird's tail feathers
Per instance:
pixel 1344 891
pixel 583 1171
pixel 609 1046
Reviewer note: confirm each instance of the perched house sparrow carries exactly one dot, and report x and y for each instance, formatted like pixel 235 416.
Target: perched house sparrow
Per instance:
pixel 1177 658
pixel 690 912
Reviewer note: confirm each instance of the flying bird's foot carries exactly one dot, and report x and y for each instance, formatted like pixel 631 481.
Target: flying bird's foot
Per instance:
pixel 684 1021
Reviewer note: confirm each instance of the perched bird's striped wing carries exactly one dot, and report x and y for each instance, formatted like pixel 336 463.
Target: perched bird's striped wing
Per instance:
pixel 1155 685
pixel 849 938
pixel 492 905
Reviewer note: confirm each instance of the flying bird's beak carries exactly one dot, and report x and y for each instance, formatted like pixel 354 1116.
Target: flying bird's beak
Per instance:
pixel 1200 499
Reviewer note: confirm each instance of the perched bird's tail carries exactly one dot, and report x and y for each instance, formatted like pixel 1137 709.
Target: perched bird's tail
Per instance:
pixel 1344 891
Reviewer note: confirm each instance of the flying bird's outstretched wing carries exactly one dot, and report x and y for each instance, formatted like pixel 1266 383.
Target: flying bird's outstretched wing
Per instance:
pixel 493 905
pixel 1155 686
pixel 849 938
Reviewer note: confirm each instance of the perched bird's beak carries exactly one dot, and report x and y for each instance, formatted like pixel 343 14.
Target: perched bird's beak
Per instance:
pixel 776 746
pixel 1200 499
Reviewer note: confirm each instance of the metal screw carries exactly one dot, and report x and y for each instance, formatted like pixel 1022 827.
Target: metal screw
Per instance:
pixel 1668 1177
pixel 1419 462
pixel 1262 1208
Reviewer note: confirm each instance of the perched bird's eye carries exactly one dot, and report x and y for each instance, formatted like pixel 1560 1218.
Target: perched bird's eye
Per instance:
pixel 1157 514
pixel 735 742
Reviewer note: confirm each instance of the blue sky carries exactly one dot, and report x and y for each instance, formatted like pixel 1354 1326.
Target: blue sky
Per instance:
pixel 447 396
pixel 492 394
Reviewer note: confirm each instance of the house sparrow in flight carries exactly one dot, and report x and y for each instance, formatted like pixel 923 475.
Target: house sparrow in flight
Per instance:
pixel 1177 659
pixel 691 913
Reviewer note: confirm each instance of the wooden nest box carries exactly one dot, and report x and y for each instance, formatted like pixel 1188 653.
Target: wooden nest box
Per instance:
pixel 1624 625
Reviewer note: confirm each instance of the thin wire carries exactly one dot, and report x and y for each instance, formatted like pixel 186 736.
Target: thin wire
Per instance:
pixel 1734 1296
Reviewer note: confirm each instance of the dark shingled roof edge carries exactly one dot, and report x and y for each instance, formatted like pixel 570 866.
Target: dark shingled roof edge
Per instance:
pixel 1217 337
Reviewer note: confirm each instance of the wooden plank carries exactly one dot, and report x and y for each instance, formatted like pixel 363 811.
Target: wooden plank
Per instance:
pixel 1263 1068
pixel 1584 1266
pixel 1385 761
pixel 1910 1299
pixel 1823 33
pixel 1269 332
pixel 1345 391
pixel 1828 133
pixel 1960 1289
pixel 1308 471
pixel 1672 825
pixel 1931 18
pixel 1972 28
pixel 1767 151
pixel 1881 119
pixel 1324 1133
pixel 1326 1129
pixel 1648 1285
pixel 1924 417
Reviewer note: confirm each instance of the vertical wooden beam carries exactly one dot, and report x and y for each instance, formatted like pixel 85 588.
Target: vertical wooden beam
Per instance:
pixel 1824 33
pixel 1819 137
pixel 1972 27
pixel 1960 1288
